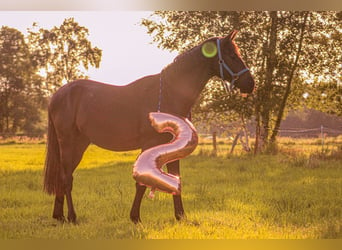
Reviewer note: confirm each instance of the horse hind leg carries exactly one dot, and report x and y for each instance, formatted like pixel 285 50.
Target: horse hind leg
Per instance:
pixel 71 154
pixel 58 213
pixel 71 209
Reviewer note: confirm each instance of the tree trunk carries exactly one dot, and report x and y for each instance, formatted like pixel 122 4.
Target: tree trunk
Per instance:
pixel 245 144
pixel 290 79
pixel 263 106
pixel 235 142
pixel 257 136
pixel 241 133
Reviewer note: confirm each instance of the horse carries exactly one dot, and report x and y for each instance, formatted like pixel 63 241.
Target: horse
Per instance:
pixel 116 117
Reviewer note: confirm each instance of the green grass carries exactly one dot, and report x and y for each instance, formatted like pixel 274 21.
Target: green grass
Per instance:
pixel 284 196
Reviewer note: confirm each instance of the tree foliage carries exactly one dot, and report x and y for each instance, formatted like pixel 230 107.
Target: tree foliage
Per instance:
pixel 284 50
pixel 63 53
pixel 19 87
pixel 326 97
pixel 32 67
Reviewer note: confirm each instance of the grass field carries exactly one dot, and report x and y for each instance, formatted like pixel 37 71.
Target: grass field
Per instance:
pixel 294 194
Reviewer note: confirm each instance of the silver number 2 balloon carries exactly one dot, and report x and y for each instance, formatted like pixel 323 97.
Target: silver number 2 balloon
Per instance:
pixel 147 169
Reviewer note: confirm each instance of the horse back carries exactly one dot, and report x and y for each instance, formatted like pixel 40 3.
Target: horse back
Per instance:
pixel 112 117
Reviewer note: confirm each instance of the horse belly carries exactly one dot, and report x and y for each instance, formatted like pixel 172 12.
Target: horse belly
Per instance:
pixel 120 135
pixel 117 144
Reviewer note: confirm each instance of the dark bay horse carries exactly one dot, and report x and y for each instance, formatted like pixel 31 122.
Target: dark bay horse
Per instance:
pixel 116 117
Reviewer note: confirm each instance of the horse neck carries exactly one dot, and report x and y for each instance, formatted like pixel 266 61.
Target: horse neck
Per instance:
pixel 183 81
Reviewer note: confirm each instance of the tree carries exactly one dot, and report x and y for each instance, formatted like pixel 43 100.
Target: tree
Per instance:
pixel 19 87
pixel 325 97
pixel 32 67
pixel 63 53
pixel 282 49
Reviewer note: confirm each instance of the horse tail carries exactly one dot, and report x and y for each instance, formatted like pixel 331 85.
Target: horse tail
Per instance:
pixel 52 171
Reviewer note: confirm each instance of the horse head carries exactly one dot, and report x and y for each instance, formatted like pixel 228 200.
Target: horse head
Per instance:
pixel 230 66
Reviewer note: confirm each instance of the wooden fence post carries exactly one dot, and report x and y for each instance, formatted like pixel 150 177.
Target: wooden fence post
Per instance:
pixel 214 143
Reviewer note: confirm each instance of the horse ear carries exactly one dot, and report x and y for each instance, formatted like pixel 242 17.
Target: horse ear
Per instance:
pixel 231 36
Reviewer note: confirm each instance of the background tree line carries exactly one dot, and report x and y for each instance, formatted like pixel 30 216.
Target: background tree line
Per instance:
pixel 34 66
pixel 294 56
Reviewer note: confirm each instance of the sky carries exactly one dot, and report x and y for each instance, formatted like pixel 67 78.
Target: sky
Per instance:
pixel 127 50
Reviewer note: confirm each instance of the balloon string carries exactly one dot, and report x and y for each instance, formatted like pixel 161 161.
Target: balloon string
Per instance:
pixel 160 92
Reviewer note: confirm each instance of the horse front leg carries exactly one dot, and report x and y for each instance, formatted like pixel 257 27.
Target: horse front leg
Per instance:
pixel 135 211
pixel 173 168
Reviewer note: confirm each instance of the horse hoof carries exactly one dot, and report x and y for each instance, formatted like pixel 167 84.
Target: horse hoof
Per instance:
pixel 180 216
pixel 59 218
pixel 135 220
pixel 72 220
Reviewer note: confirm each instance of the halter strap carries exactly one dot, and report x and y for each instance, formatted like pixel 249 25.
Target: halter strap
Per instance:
pixel 223 65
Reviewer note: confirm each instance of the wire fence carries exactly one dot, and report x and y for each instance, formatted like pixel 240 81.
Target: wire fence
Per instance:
pixel 321 131
pixel 316 132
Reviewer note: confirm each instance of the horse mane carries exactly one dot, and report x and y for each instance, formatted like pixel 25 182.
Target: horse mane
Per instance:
pixel 184 61
pixel 181 56
pixel 187 59
pixel 236 48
